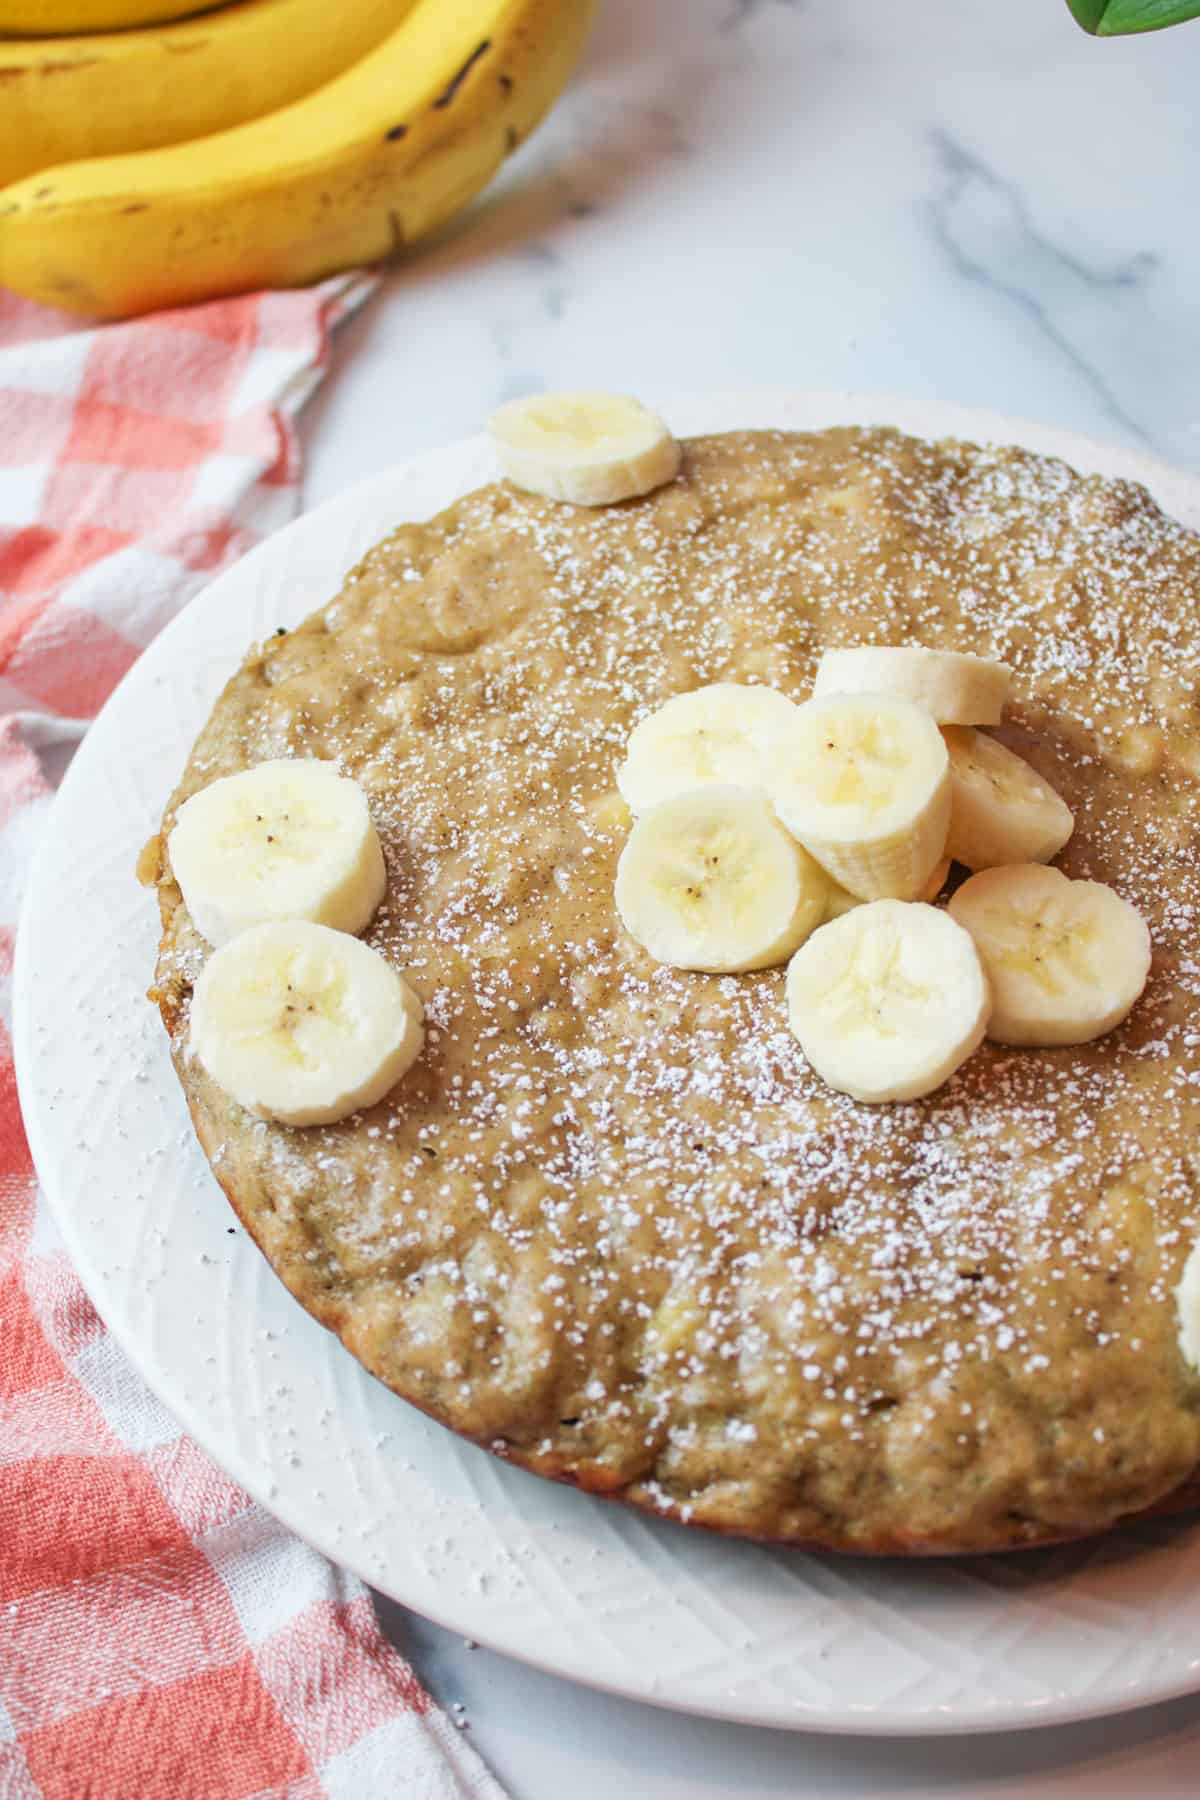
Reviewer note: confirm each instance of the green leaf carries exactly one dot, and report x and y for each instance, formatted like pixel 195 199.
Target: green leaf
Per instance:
pixel 1116 18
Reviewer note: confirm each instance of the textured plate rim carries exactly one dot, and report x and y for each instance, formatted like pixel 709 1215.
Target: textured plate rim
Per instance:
pixel 1176 490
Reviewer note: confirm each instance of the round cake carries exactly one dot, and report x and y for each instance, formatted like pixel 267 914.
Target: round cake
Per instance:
pixel 611 1225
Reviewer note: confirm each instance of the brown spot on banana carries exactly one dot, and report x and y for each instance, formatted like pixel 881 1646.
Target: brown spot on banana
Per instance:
pixel 77 293
pixel 456 81
pixel 68 66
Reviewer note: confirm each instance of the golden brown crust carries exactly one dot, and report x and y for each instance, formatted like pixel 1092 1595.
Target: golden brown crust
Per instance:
pixel 610 1227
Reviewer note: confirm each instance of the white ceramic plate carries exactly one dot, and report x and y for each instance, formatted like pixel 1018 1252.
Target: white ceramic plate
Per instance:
pixel 572 1584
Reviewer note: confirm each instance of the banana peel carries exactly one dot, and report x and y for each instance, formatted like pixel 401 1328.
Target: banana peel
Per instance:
pixel 58 18
pixel 367 164
pixel 67 98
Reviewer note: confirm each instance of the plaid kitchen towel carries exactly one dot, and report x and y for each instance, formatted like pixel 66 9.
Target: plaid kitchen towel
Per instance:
pixel 161 1636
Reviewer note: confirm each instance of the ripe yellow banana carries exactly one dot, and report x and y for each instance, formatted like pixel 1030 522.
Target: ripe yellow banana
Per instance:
pixel 54 18
pixel 369 162
pixel 119 91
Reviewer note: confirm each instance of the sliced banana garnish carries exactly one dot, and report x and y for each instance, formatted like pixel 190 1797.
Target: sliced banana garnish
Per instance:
pixel 888 1000
pixel 1187 1303
pixel 709 880
pixel 283 840
pixel 863 781
pixel 303 1024
pixel 718 734
pixel 1001 809
pixel 591 449
pixel 841 899
pixel 953 687
pixel 878 781
pixel 1066 959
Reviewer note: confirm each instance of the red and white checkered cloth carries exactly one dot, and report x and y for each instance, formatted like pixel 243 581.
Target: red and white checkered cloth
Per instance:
pixel 161 1636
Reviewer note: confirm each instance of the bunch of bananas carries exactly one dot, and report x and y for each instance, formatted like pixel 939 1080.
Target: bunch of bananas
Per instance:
pixel 265 143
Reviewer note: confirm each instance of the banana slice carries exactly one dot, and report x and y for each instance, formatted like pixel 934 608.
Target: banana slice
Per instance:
pixel 591 449
pixel 710 880
pixel 841 900
pixel 1187 1303
pixel 303 1024
pixel 863 781
pixel 1066 959
pixel 1001 809
pixel 283 840
pixel 719 734
pixel 956 689
pixel 888 1000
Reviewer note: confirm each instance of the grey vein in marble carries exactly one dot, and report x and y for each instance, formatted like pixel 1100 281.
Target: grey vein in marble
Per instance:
pixel 743 11
pixel 1100 321
pixel 984 226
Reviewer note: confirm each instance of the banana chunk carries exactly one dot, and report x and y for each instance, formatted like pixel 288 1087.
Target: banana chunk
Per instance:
pixel 1066 959
pixel 303 1024
pixel 955 688
pixel 1001 809
pixel 888 1000
pixel 1187 1304
pixel 719 734
pixel 710 880
pixel 841 900
pixel 863 781
pixel 283 840
pixel 590 449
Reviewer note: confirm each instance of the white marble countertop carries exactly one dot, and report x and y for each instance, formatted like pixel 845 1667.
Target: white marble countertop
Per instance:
pixel 969 202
